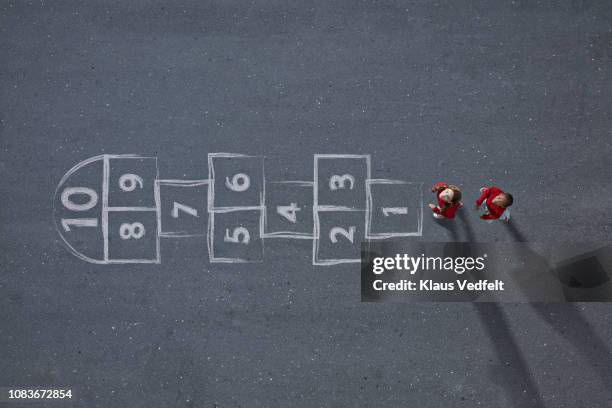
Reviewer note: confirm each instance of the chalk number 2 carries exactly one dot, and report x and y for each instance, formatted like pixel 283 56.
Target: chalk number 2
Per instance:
pixel 337 182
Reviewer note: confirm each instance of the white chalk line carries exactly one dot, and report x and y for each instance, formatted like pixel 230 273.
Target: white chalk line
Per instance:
pixel 263 234
pixel 386 235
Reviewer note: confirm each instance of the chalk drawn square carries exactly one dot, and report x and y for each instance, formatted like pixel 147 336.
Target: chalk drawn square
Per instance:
pixel 235 236
pixel 340 181
pixel 131 181
pixel 183 207
pixel 289 210
pixel 237 182
pixel 339 237
pixel 395 209
pixel 133 237
pixel 78 208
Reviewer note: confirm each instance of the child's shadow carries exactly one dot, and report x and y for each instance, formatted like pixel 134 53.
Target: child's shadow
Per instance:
pixel 565 318
pixel 467 227
pixel 450 226
pixel 515 232
pixel 514 374
pixel 568 320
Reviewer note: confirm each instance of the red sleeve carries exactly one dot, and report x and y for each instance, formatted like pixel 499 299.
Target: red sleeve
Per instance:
pixel 436 210
pixel 494 192
pixel 483 196
pixel 489 194
pixel 450 211
pixel 494 213
pixel 438 186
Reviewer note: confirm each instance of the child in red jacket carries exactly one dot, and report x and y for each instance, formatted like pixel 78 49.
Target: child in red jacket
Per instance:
pixel 449 200
pixel 495 202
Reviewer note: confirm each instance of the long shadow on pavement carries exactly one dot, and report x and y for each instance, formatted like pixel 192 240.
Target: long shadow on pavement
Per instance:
pixel 514 374
pixel 568 320
pixel 450 226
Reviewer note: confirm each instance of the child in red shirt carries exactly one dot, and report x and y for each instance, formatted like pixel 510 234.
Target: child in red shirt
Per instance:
pixel 495 202
pixel 449 200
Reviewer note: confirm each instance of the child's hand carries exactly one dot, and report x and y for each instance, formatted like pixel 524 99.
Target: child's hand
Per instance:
pixel 432 206
pixel 482 190
pixel 438 187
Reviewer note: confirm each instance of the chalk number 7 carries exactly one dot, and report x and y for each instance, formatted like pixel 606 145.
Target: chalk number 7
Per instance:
pixel 176 207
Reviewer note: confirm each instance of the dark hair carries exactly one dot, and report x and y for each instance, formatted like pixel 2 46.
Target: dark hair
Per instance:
pixel 509 199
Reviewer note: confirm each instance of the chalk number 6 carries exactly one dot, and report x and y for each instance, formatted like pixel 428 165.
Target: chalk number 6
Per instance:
pixel 339 182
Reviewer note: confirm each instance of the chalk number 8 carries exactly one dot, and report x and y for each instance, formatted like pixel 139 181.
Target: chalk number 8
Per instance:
pixel 135 230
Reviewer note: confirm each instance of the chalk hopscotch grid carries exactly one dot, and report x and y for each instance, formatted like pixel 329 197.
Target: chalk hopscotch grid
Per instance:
pixel 106 209
pixel 287 234
pixel 261 208
pixel 210 241
pixel 63 180
pixel 319 208
pixel 175 183
pixel 369 198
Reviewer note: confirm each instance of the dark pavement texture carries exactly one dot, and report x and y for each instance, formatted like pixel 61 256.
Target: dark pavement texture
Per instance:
pixel 512 92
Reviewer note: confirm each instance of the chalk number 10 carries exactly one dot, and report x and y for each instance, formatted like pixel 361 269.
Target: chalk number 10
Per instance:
pixel 92 200
pixel 127 182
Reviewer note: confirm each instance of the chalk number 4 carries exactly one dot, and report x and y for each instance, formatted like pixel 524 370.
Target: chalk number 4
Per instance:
pixel 288 211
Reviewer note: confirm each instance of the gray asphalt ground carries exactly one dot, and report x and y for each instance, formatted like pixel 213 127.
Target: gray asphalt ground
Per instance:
pixel 512 92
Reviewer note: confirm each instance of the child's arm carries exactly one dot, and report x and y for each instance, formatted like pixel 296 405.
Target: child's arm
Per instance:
pixel 494 213
pixel 438 186
pixel 484 194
